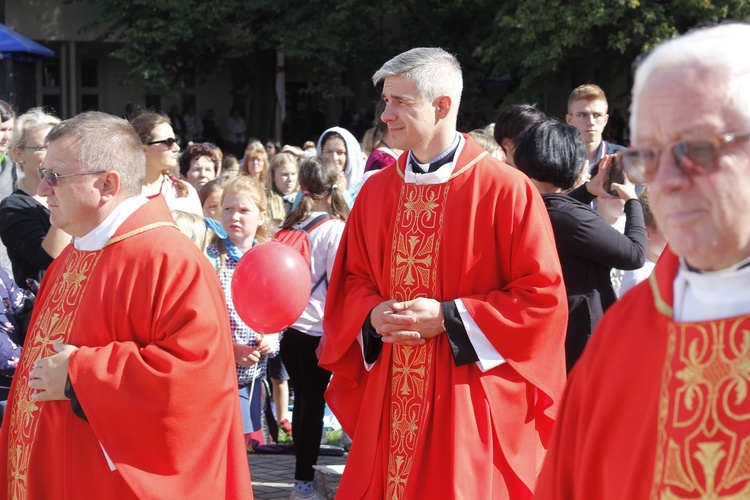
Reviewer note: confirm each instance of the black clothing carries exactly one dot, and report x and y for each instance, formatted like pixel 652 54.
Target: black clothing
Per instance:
pixel 589 248
pixel 310 382
pixel 24 223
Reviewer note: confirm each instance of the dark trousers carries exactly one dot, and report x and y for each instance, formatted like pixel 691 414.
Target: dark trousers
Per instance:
pixel 309 382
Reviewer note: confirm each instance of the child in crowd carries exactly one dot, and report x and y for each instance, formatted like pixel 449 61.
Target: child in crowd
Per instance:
pixel 210 196
pixel 656 244
pixel 321 211
pixel 194 227
pixel 243 215
pixel 14 316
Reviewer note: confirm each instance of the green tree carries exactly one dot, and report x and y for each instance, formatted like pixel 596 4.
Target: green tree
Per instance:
pixel 340 42
pixel 537 39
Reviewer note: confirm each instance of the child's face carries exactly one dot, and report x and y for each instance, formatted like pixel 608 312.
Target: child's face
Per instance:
pixel 285 178
pixel 212 205
pixel 240 217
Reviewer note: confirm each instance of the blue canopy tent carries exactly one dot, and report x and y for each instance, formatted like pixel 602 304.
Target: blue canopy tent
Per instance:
pixel 18 56
pixel 19 48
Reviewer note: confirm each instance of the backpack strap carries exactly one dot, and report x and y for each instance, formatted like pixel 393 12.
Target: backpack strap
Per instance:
pixel 316 222
pixel 320 219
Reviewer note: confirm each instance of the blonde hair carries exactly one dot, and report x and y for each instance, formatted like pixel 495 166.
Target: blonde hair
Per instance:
pixel 256 150
pixel 31 121
pixel 193 226
pixel 249 186
pixel 587 92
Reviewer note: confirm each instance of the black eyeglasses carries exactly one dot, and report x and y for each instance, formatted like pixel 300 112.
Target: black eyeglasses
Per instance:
pixel 35 148
pixel 51 177
pixel 169 142
pixel 694 158
pixel 585 116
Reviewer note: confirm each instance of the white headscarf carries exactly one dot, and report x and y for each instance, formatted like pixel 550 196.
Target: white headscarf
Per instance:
pixel 355 164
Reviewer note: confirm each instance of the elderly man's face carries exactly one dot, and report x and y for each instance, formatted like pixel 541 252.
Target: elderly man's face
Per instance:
pixel 75 201
pixel 705 218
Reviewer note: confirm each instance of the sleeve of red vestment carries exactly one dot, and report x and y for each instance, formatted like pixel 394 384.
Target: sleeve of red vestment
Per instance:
pixel 526 319
pixel 159 408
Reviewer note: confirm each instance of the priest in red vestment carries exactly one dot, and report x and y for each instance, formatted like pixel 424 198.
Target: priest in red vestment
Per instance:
pixel 446 313
pixel 126 385
pixel 658 406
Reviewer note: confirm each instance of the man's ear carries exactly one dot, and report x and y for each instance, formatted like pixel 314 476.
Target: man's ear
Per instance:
pixel 568 118
pixel 110 185
pixel 443 106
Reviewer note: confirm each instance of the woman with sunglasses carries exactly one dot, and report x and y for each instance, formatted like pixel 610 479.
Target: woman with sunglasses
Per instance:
pixel 32 242
pixel 158 138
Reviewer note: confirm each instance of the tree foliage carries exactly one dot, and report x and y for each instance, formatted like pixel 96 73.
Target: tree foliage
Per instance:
pixel 536 39
pixel 531 39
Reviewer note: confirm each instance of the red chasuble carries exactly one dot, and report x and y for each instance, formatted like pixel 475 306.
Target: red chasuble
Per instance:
pixel 154 375
pixel 423 427
pixel 655 408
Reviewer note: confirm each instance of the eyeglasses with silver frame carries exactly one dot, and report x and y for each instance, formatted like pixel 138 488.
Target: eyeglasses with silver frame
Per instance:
pixel 51 177
pixel 694 158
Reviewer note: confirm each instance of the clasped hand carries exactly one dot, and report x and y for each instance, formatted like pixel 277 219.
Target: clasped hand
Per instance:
pixel 48 376
pixel 409 322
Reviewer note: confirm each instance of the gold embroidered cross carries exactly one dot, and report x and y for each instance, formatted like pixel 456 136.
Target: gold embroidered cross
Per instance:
pixel 411 260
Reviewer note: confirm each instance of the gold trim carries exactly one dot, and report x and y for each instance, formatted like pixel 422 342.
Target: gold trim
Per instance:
pixel 140 230
pixel 53 324
pixel 468 165
pixel 703 448
pixel 660 304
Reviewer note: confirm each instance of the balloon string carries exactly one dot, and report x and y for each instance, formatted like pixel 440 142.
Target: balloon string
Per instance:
pixel 252 384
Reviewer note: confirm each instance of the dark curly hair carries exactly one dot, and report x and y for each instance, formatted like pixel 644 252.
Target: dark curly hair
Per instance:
pixel 196 151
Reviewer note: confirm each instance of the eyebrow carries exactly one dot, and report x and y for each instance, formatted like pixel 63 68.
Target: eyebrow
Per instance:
pixel 398 98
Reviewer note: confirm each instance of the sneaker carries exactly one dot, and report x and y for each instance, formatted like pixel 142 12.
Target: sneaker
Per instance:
pixel 286 426
pixel 322 487
pixel 315 495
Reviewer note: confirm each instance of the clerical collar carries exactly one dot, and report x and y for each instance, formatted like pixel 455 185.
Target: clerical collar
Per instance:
pixel 443 158
pixel 711 295
pixel 734 267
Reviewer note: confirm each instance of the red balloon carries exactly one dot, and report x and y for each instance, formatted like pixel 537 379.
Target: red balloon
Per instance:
pixel 271 287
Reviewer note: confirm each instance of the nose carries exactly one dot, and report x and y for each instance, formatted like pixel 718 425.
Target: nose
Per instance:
pixel 44 189
pixel 668 174
pixel 388 115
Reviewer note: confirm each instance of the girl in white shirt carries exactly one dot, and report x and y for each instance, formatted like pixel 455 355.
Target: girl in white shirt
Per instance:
pixel 320 196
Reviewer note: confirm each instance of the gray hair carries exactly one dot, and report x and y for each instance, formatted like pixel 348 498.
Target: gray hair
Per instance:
pixel 29 122
pixel 721 48
pixel 107 143
pixel 434 72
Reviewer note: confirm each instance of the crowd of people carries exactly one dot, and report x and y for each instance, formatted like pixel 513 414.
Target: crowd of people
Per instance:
pixel 458 280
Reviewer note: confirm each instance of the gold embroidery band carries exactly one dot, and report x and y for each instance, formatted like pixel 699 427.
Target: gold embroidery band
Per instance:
pixel 703 444
pixel 140 230
pixel 415 250
pixel 53 325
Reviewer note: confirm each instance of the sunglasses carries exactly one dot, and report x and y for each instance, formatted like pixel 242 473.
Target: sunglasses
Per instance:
pixel 169 142
pixel 51 178
pixel 694 158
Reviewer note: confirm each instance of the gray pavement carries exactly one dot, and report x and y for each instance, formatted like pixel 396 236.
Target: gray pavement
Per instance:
pixel 273 474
